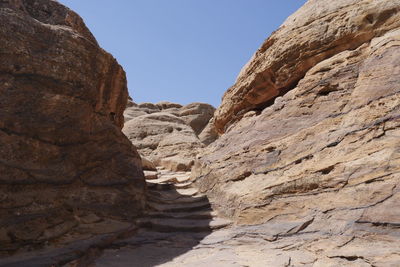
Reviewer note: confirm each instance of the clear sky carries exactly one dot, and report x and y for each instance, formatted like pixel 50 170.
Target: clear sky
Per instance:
pixel 182 50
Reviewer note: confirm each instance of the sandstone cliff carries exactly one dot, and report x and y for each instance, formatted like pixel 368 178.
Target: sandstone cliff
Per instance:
pixel 311 149
pixel 168 133
pixel 66 170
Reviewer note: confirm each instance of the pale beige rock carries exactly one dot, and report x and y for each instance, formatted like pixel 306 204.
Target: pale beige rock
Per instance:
pixel 319 167
pixel 166 133
pixel 318 31
pixel 167 105
pixel 147 164
pixel 197 115
pixel 164 139
pixel 209 133
pixel 150 175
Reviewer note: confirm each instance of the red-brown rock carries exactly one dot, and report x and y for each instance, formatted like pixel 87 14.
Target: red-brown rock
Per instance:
pixel 62 153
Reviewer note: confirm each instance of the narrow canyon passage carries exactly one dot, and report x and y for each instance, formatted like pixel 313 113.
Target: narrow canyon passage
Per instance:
pixel 299 166
pixel 177 221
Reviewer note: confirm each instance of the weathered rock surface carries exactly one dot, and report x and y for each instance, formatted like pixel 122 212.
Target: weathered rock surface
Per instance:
pixel 167 133
pixel 177 221
pixel 197 115
pixel 209 133
pixel 319 31
pixel 318 168
pixel 66 170
pixel 147 164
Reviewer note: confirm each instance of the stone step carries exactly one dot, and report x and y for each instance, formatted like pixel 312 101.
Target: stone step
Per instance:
pixel 163 180
pixel 176 199
pixel 180 178
pixel 177 207
pixel 173 193
pixel 183 185
pixel 187 191
pixel 182 225
pixel 150 175
pixel 167 186
pixel 202 214
pixel 175 179
pixel 171 190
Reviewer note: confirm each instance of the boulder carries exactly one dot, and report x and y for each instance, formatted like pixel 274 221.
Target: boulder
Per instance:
pixel 62 153
pixel 197 115
pixel 167 105
pixel 148 165
pixel 161 136
pixel 167 133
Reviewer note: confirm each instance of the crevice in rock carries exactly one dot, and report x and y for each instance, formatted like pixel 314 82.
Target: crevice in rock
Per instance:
pixel 381 224
pixel 349 258
pixel 327 170
pixel 242 176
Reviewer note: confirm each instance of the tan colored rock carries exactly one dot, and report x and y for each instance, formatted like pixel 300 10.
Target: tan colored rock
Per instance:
pixel 166 133
pixel 317 170
pixel 167 105
pixel 150 175
pixel 164 139
pixel 209 133
pixel 62 153
pixel 318 31
pixel 177 163
pixel 148 165
pixel 197 115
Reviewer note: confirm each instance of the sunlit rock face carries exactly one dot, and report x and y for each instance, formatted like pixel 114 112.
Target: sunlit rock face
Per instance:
pixel 310 136
pixel 64 162
pixel 320 30
pixel 169 134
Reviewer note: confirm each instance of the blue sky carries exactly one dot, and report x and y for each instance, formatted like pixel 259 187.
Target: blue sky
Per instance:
pixel 182 50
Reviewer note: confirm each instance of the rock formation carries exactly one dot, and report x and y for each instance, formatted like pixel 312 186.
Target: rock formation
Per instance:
pixel 310 151
pixel 306 166
pixel 167 133
pixel 66 170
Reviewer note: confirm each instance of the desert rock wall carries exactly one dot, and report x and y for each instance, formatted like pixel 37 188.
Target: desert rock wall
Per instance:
pixel 321 161
pixel 318 31
pixel 63 157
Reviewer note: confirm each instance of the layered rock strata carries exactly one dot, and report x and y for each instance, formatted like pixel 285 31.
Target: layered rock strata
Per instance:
pixel 318 166
pixel 167 133
pixel 320 30
pixel 66 169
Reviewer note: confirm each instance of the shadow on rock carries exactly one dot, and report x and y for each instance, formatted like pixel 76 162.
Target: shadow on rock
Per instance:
pixel 177 220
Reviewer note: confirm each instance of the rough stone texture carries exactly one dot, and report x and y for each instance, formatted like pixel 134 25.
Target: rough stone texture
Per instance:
pixel 209 133
pixel 65 167
pixel 319 166
pixel 319 31
pixel 166 133
pixel 253 246
pixel 164 139
pixel 197 115
pixel 147 164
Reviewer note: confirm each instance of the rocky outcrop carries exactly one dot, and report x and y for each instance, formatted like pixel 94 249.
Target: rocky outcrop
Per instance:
pixel 167 133
pixel 209 134
pixel 197 115
pixel 319 31
pixel 317 168
pixel 66 170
